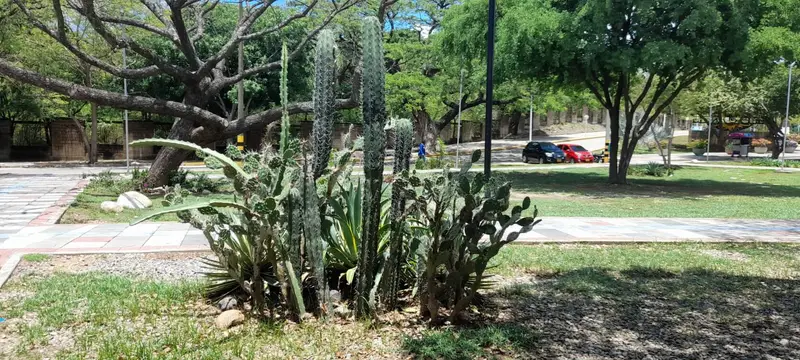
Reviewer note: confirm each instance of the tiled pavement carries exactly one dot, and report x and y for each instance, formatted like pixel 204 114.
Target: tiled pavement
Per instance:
pixel 35 200
pixel 560 229
pixel 153 236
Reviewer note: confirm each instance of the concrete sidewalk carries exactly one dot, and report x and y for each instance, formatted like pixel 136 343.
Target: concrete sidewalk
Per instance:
pixel 69 238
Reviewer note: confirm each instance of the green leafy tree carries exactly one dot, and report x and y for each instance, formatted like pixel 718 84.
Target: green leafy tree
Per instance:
pixel 635 56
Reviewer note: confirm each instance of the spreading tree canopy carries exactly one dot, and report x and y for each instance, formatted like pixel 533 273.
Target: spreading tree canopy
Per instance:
pixel 173 42
pixel 635 56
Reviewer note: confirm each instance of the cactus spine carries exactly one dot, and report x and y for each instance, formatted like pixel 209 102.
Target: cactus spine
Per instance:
pixel 403 136
pixel 324 100
pixel 374 118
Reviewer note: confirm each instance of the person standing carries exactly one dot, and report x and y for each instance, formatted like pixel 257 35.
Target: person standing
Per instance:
pixel 421 151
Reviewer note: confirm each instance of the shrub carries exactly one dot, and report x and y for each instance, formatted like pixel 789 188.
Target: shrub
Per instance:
pixel 202 182
pixel 698 144
pixel 650 169
pixel 761 142
pixel 774 162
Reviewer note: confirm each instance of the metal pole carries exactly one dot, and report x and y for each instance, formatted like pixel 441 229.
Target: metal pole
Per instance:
pixel 125 113
pixel 460 97
pixel 786 121
pixel 240 89
pixel 708 142
pixel 530 120
pixel 487 160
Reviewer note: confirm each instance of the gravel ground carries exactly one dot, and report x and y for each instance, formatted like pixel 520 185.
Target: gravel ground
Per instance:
pixel 151 266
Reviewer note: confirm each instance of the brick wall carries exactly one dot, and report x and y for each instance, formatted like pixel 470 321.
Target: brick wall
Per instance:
pixel 67 143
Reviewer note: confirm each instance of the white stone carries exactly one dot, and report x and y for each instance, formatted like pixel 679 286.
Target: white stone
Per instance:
pixel 134 200
pixel 229 318
pixel 110 206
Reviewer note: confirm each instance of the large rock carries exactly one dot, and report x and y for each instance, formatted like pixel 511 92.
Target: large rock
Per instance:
pixel 229 319
pixel 134 200
pixel 110 206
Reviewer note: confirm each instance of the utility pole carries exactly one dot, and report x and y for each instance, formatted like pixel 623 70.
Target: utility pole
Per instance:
pixel 487 161
pixel 458 133
pixel 125 113
pixel 530 120
pixel 240 86
pixel 708 142
pixel 786 121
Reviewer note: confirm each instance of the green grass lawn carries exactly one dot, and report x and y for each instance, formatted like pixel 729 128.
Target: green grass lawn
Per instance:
pixel 565 301
pixel 86 207
pixel 691 192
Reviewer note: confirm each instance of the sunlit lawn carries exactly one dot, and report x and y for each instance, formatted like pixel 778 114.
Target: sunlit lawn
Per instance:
pixel 569 301
pixel 691 192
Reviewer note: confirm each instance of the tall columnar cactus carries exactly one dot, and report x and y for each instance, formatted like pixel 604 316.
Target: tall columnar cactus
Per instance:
pixel 403 137
pixel 314 244
pixel 374 119
pixel 324 100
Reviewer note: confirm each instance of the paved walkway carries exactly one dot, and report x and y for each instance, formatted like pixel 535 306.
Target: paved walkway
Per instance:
pixel 35 200
pixel 149 237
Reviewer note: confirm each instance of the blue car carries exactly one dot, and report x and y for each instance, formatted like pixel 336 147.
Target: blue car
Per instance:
pixel 543 153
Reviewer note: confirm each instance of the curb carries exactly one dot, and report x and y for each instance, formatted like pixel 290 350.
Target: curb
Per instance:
pixel 8 268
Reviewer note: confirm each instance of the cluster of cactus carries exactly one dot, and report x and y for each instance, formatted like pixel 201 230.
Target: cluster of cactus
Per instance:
pixel 269 238
pixel 277 211
pixel 466 226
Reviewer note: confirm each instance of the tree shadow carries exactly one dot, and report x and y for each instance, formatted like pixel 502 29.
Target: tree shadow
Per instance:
pixel 596 184
pixel 642 313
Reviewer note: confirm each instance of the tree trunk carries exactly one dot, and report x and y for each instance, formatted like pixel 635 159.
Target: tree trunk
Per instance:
pixel 427 130
pixel 613 148
pixel 170 159
pixel 513 123
pixel 777 147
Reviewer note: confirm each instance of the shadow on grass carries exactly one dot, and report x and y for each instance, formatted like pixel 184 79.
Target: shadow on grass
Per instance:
pixel 596 184
pixel 633 314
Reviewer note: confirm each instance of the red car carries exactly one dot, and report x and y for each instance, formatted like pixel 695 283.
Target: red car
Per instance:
pixel 576 153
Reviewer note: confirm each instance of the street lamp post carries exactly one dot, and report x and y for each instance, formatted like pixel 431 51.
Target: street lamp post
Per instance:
pixel 786 120
pixel 458 132
pixel 710 121
pixel 125 113
pixel 487 160
pixel 530 120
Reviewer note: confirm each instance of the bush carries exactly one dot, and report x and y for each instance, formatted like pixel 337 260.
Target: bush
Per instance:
pixel 650 169
pixel 202 183
pixel 761 143
pixel 698 144
pixel 774 162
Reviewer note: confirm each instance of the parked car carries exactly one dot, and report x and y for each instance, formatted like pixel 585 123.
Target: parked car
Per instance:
pixel 542 152
pixel 576 153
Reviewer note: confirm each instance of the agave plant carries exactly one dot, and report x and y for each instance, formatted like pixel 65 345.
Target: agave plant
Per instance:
pixel 344 235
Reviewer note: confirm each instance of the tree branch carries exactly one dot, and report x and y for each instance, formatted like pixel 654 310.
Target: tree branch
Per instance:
pixel 61 37
pixel 112 99
pixel 200 20
pixel 90 13
pixel 282 24
pixel 243 27
pixel 184 42
pixel 275 65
